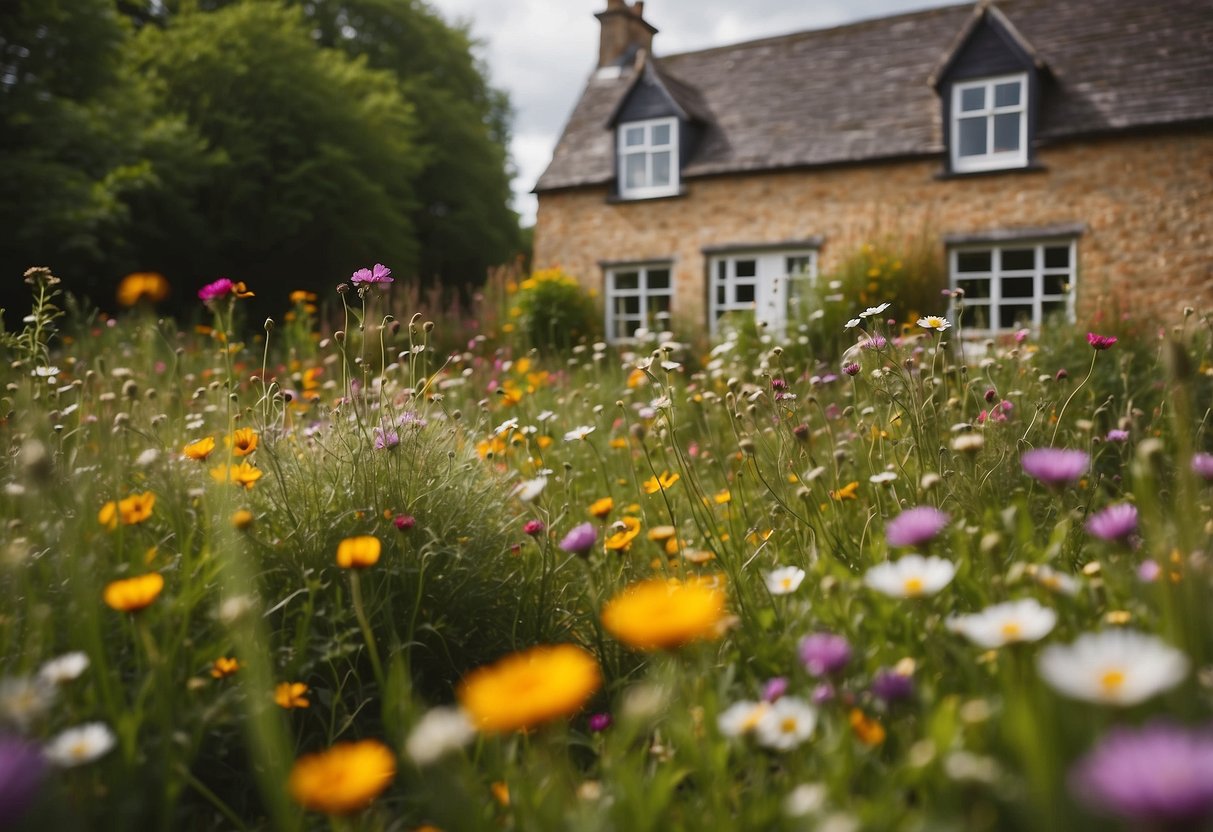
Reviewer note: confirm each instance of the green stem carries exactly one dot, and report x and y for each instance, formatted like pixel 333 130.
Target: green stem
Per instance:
pixel 1057 427
pixel 365 626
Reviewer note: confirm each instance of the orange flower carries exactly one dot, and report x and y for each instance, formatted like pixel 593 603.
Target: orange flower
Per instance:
pixel 139 286
pixel 868 730
pixel 847 492
pixel 130 510
pixel 625 532
pixel 655 484
pixel 242 474
pixel 600 508
pixel 201 449
pixel 343 779
pixel 291 695
pixel 529 688
pixel 658 613
pixel 223 667
pixel 358 552
pixel 133 594
pixel 242 518
pixel 243 441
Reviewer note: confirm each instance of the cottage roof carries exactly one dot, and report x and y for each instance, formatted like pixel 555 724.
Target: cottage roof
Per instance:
pixel 863 92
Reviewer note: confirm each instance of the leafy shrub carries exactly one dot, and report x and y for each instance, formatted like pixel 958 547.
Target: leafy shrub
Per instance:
pixel 553 312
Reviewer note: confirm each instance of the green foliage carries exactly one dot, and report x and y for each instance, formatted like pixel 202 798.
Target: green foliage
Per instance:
pixel 553 312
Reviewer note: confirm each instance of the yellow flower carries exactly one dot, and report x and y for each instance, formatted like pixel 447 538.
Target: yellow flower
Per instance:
pixel 242 518
pixel 868 730
pixel 133 594
pixel 847 492
pixel 142 285
pixel 242 474
pixel 636 378
pixel 661 533
pixel 658 613
pixel 358 552
pixel 723 496
pixel 601 508
pixel 343 779
pixel 201 449
pixel 291 695
pixel 223 667
pixel 501 792
pixel 529 688
pixel 625 533
pixel 302 296
pixel 655 484
pixel 243 441
pixel 130 510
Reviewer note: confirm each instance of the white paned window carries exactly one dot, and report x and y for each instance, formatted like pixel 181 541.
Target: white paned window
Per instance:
pixel 648 158
pixel 1014 285
pixel 990 124
pixel 770 284
pixel 638 297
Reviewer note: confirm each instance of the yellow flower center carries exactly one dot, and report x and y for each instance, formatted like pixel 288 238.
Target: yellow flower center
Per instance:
pixel 1011 630
pixel 913 586
pixel 786 583
pixel 1112 681
pixel 788 725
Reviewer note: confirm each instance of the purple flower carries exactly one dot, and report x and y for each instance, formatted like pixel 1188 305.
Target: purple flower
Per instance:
pixel 892 686
pixel 379 274
pixel 1158 774
pixel 1062 375
pixel 1148 571
pixel 823 654
pixel 1202 466
pixel 22 768
pixel 916 525
pixel 822 694
pixel 213 291
pixel 1055 466
pixel 1115 522
pixel 580 539
pixel 599 722
pixel 1101 342
pixel 774 688
pixel 875 342
pixel 534 527
pixel 386 439
pixel 1117 435
pixel 851 368
pixel 404 522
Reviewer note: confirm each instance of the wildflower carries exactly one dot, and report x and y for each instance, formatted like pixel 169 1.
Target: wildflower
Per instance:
pixel 22 770
pixel 200 449
pixel 1116 667
pixel 80 745
pixel 847 492
pixel 1202 466
pixel 130 510
pixel 912 576
pixel 243 441
pixel 343 779
pixel 597 723
pixel 242 474
pixel 784 580
pixel 892 686
pixel 1101 342
pixel 1051 579
pixel 883 478
pixel 851 368
pixel 526 689
pixel 968 443
pixel 139 286
pixel 658 614
pixel 222 288
pixel 1055 466
pixel 854 322
pixel 874 342
pixel 578 433
pixel 786 724
pixel 290 695
pixel 1116 435
pixel 358 552
pixel 721 497
pixel 601 507
pixel 438 732
pixel 1115 523
pixel 24 699
pixel 824 654
pixel 379 273
pixel 65 668
pixel 242 519
pixel 533 528
pixel 1159 776
pixel 1013 621
pixel 223 667
pixel 580 539
pixel 934 322
pixel 741 717
pixel 404 522
pixel 625 532
pixel 528 490
pixel 915 526
pixel 873 310
pixel 386 439
pixel 867 730
pixel 133 594
pixel 774 688
pixel 660 483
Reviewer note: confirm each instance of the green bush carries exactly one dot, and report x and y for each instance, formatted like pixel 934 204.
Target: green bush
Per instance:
pixel 553 312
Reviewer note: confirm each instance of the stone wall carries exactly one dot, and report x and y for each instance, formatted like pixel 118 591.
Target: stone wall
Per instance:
pixel 1146 202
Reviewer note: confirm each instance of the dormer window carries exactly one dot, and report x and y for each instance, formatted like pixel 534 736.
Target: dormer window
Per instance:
pixel 989 128
pixel 648 158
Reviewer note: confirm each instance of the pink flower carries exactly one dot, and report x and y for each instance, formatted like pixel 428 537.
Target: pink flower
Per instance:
pixel 216 290
pixel 379 274
pixel 404 522
pixel 1100 342
pixel 533 527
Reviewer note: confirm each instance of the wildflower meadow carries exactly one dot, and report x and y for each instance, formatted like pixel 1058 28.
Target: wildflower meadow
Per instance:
pixel 365 567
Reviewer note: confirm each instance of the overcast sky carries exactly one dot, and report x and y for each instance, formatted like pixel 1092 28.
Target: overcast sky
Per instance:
pixel 542 51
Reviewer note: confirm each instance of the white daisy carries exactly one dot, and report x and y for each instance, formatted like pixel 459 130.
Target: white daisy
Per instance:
pixel 438 732
pixel 528 490
pixel 883 477
pixel 80 745
pixel 741 717
pixel 854 322
pixel 910 577
pixel 1022 620
pixel 934 322
pixel 784 580
pixel 1115 667
pixel 24 699
pixel 873 310
pixel 577 433
pixel 1051 579
pixel 786 724
pixel 507 425
pixel 64 668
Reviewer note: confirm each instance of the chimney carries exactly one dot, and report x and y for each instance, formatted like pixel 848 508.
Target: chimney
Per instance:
pixel 624 31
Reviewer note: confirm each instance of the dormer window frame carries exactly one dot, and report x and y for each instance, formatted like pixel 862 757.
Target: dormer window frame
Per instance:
pixel 647 150
pixel 989 114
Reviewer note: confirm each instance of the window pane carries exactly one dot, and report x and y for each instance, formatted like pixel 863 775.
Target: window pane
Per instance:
pixel 1006 132
pixel 631 306
pixel 1014 316
pixel 1055 284
pixel 796 265
pixel 633 136
pixel 973 98
pixel 1014 259
pixel 975 317
pixel 1055 310
pixel 973 261
pixel 1057 257
pixel 1006 95
pixel 659 307
pixel 660 134
pixel 1018 287
pixel 661 168
pixel 633 167
pixel 625 281
pixel 976 288
pixel 659 279
pixel 746 268
pixel 973 136
pixel 720 301
pixel 745 293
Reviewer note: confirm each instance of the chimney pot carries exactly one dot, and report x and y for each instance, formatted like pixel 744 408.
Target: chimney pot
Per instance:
pixel 624 32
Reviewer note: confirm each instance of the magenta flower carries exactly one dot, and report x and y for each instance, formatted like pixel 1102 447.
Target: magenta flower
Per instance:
pixel 213 291
pixel 1202 466
pixel 580 539
pixel 1160 775
pixel 534 528
pixel 599 722
pixel 915 526
pixel 404 522
pixel 823 654
pixel 386 439
pixel 22 769
pixel 1114 523
pixel 851 368
pixel 774 688
pixel 379 274
pixel 1117 435
pixel 1055 466
pixel 891 686
pixel 1101 342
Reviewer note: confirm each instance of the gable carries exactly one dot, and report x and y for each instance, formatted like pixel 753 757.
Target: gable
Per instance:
pixel 646 99
pixel 989 49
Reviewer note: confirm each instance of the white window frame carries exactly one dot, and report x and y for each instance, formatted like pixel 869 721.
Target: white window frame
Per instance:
pixel 991 159
pixel 646 294
pixel 647 149
pixel 771 284
pixel 997 274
